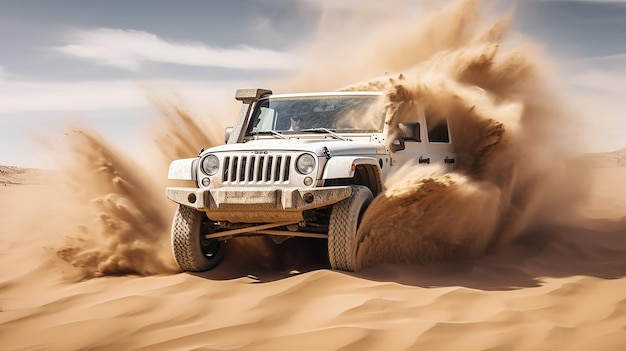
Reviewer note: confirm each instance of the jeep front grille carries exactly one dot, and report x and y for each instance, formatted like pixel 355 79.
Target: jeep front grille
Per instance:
pixel 256 169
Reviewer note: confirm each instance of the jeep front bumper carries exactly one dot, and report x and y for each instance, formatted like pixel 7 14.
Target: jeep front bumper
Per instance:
pixel 251 205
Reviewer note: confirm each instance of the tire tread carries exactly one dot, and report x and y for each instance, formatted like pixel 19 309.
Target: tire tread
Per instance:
pixel 342 228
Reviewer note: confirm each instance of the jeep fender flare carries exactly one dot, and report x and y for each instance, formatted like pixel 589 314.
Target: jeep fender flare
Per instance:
pixel 183 169
pixel 344 166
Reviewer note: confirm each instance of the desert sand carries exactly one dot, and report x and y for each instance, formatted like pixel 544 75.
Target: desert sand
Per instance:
pixel 86 264
pixel 556 288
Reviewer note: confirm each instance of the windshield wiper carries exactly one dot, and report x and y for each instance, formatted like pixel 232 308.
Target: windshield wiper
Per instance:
pixel 270 132
pixel 323 130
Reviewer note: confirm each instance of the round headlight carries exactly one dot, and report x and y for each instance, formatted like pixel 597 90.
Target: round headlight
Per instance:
pixel 210 165
pixel 305 163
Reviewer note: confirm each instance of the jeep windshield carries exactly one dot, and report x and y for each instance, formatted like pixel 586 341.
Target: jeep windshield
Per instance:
pixel 361 112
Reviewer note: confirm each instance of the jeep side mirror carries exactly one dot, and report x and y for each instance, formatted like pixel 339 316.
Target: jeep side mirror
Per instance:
pixel 409 131
pixel 406 131
pixel 227 132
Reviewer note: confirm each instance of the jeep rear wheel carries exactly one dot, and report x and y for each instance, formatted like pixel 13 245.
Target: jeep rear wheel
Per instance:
pixel 344 222
pixel 192 251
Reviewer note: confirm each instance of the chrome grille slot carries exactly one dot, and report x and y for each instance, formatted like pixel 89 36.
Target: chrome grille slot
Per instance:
pixel 226 169
pixel 277 169
pixel 256 169
pixel 251 168
pixel 233 170
pixel 285 169
pixel 242 169
pixel 259 170
pixel 268 168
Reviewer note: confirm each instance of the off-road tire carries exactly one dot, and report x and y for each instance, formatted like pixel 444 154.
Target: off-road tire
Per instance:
pixel 192 251
pixel 345 218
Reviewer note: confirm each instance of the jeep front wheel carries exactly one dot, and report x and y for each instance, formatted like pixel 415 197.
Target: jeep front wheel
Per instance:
pixel 344 222
pixel 192 251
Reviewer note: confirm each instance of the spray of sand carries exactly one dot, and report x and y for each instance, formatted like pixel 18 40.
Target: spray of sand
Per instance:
pixel 513 134
pixel 122 214
pixel 121 232
pixel 513 139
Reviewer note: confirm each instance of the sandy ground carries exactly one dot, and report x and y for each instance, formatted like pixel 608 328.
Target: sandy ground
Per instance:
pixel 553 289
pixel 561 287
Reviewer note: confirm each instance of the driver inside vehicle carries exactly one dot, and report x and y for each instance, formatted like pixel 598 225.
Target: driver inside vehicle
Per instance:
pixel 295 122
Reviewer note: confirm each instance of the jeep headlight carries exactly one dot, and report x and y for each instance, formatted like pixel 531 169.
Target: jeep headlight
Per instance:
pixel 305 164
pixel 210 165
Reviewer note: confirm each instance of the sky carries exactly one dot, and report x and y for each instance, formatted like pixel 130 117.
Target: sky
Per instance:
pixel 72 62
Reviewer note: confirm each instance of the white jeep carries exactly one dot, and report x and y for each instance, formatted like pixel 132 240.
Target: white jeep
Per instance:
pixel 296 165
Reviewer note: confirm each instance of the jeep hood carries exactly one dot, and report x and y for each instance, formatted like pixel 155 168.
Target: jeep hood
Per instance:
pixel 336 147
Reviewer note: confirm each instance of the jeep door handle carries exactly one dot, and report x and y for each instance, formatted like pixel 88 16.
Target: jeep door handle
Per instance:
pixel 448 160
pixel 424 160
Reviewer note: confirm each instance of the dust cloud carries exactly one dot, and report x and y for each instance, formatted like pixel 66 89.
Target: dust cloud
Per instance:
pixel 122 213
pixel 513 136
pixel 121 224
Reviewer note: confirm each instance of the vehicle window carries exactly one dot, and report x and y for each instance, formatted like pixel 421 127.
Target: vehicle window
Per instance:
pixel 266 119
pixel 437 129
pixel 342 113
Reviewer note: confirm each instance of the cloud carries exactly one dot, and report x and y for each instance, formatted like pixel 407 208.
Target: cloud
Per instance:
pixel 601 73
pixel 588 1
pixel 23 96
pixel 351 5
pixel 615 60
pixel 607 82
pixel 595 92
pixel 129 49
pixel 32 112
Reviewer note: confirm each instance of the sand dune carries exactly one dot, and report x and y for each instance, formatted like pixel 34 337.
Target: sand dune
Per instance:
pixel 606 159
pixel 558 284
pixel 557 288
